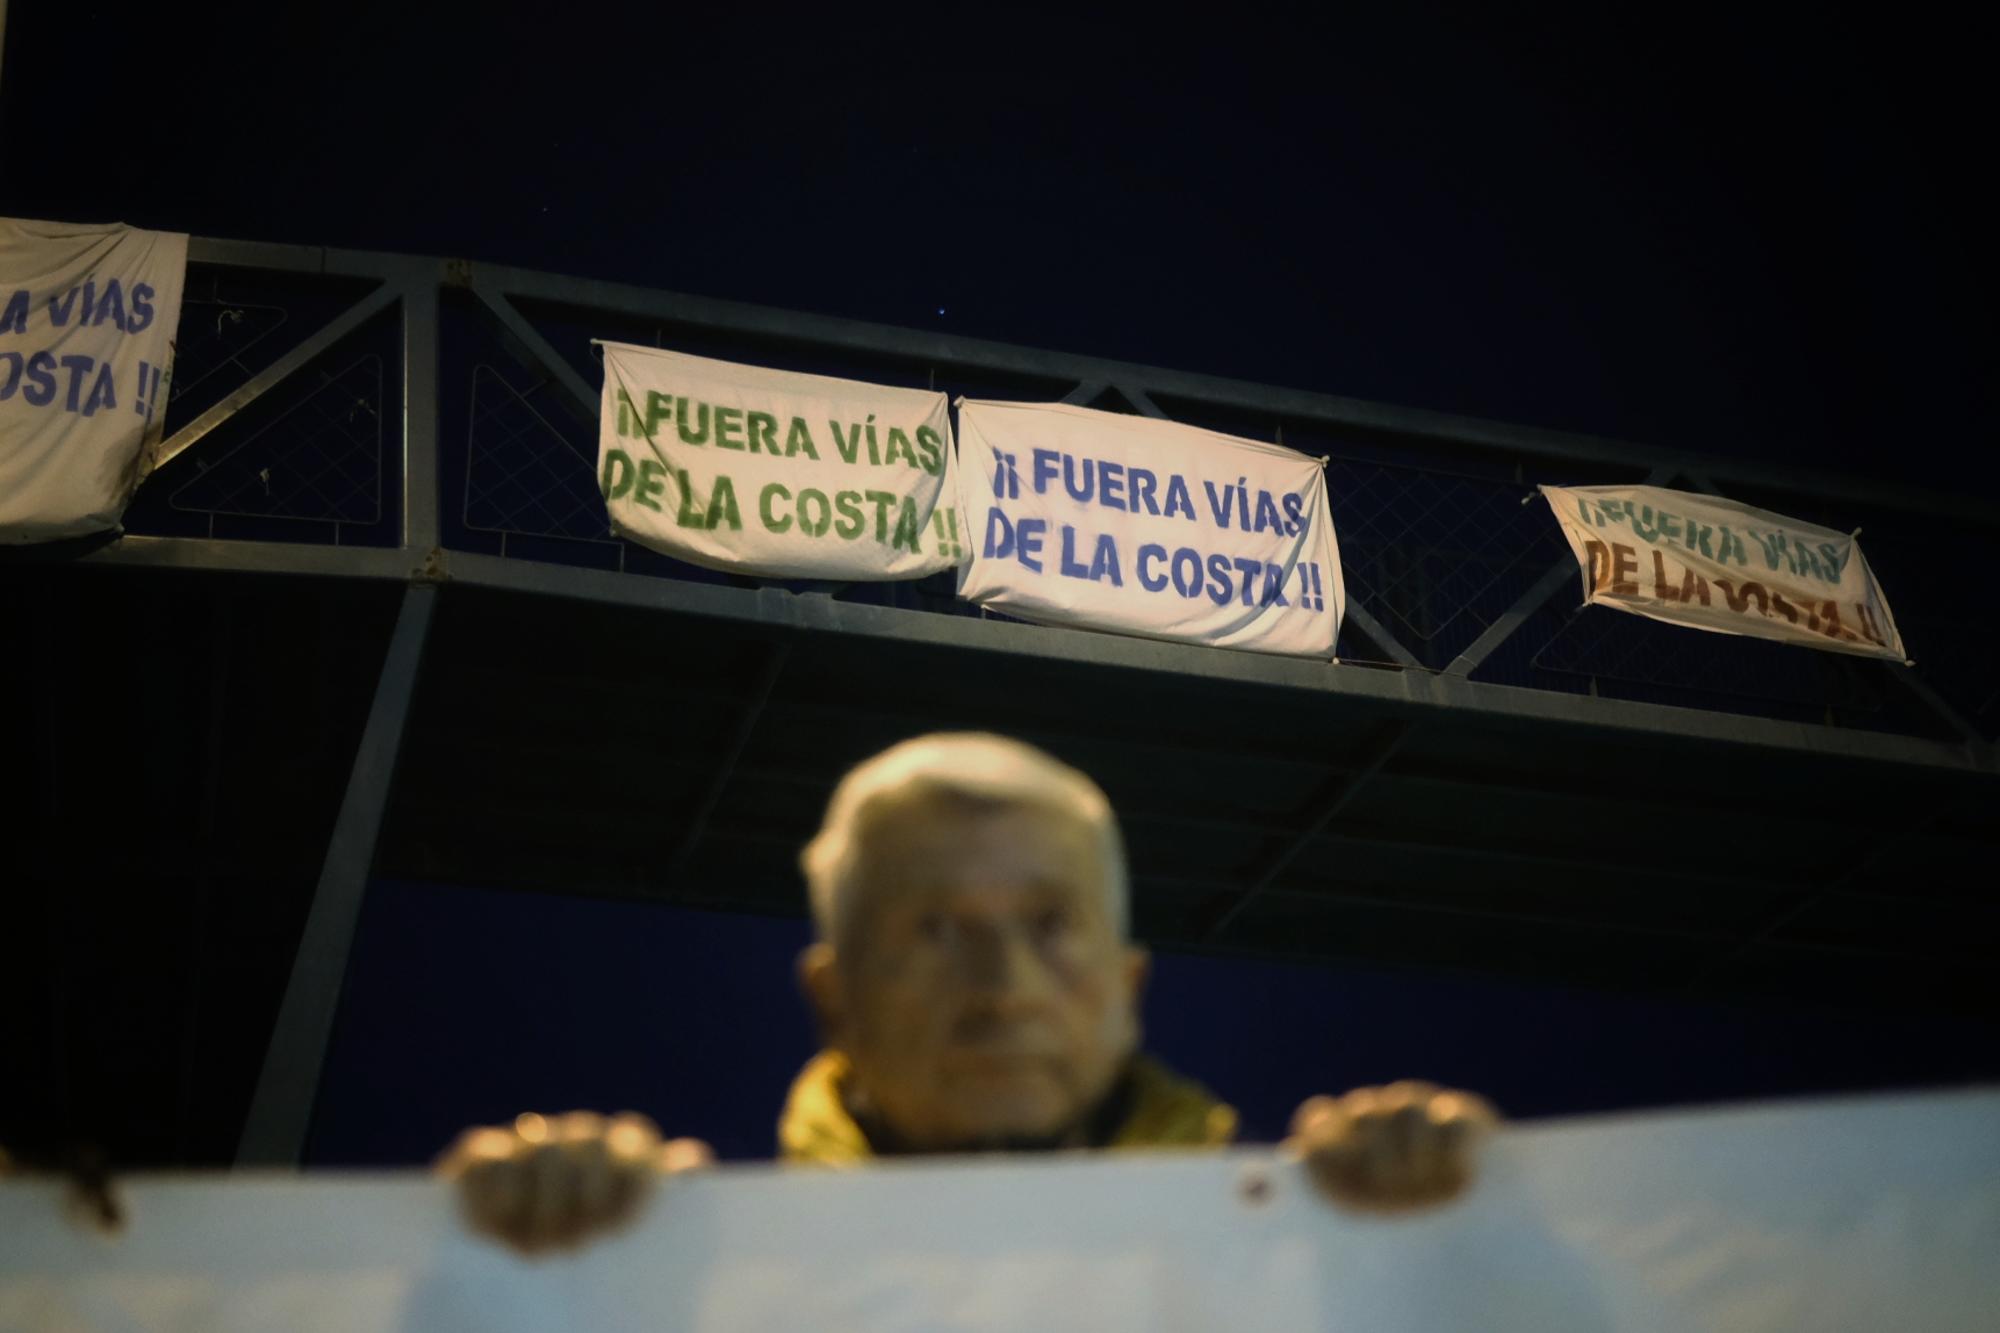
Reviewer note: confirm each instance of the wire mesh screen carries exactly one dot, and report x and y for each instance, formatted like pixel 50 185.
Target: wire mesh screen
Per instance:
pixel 218 338
pixel 1441 540
pixel 1433 554
pixel 528 472
pixel 318 459
pixel 1603 644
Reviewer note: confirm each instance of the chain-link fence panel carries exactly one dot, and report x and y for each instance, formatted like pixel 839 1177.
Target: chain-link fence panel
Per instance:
pixel 319 459
pixel 528 472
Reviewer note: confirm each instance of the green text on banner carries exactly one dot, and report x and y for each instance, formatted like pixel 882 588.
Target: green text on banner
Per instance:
pixel 1714 564
pixel 768 472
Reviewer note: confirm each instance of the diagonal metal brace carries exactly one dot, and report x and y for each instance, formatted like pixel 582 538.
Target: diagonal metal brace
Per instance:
pixel 1360 618
pixel 535 345
pixel 277 372
pixel 288 1085
pixel 1530 601
pixel 746 724
pixel 1380 751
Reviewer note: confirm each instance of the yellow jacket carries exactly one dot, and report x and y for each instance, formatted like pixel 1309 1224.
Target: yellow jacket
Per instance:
pixel 1167 1111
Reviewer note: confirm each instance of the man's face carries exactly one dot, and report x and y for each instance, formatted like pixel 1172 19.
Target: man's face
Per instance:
pixel 980 989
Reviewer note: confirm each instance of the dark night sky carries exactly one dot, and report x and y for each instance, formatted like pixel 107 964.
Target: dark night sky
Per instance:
pixel 1736 236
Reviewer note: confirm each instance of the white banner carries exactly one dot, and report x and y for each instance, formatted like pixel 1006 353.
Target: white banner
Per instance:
pixel 87 321
pixel 1876 1214
pixel 1147 527
pixel 1714 564
pixel 767 472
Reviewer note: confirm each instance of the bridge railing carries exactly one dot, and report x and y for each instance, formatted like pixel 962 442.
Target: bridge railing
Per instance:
pixel 374 403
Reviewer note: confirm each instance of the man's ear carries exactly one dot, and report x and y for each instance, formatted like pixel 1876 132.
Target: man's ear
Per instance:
pixel 1136 972
pixel 819 978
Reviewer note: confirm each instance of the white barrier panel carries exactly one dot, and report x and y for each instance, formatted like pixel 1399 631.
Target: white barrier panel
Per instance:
pixel 1871 1214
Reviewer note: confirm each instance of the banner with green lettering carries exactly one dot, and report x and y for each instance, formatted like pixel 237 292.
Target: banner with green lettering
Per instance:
pixel 1715 564
pixel 769 472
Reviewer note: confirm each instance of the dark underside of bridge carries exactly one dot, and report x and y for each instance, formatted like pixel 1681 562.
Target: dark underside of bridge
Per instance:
pixel 191 734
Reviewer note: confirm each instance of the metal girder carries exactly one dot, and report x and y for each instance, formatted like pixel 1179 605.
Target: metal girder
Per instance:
pixel 327 260
pixel 1706 879
pixel 1381 750
pixel 1469 433
pixel 1530 601
pixel 1416 692
pixel 753 709
pixel 1140 399
pixel 244 557
pixel 534 346
pixel 419 292
pixel 1765 935
pixel 1400 902
pixel 1899 672
pixel 1905 675
pixel 350 319
pixel 1085 393
pixel 281 1109
pixel 1362 620
pixel 1503 627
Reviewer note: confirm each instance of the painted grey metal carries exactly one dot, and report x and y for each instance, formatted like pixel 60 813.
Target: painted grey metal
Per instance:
pixel 1085 393
pixel 746 726
pixel 415 282
pixel 281 1109
pixel 1502 629
pixel 1387 741
pixel 1765 935
pixel 1141 400
pixel 1418 692
pixel 1531 601
pixel 419 291
pixel 1468 433
pixel 534 346
pixel 246 557
pixel 278 371
pixel 1361 620
pixel 1904 676
pixel 296 258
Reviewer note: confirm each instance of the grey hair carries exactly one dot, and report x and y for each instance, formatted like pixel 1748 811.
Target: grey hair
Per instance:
pixel 974 764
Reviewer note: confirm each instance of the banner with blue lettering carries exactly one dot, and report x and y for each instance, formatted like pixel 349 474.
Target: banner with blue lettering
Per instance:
pixel 1148 527
pixel 771 472
pixel 1715 564
pixel 87 320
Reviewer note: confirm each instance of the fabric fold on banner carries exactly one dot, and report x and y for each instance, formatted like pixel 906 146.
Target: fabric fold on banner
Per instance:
pixel 1147 527
pixel 88 316
pixel 1715 564
pixel 771 472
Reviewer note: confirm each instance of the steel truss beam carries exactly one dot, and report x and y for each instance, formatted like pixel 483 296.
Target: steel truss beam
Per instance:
pixel 1530 601
pixel 1415 692
pixel 346 322
pixel 1470 434
pixel 1381 750
pixel 281 1108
